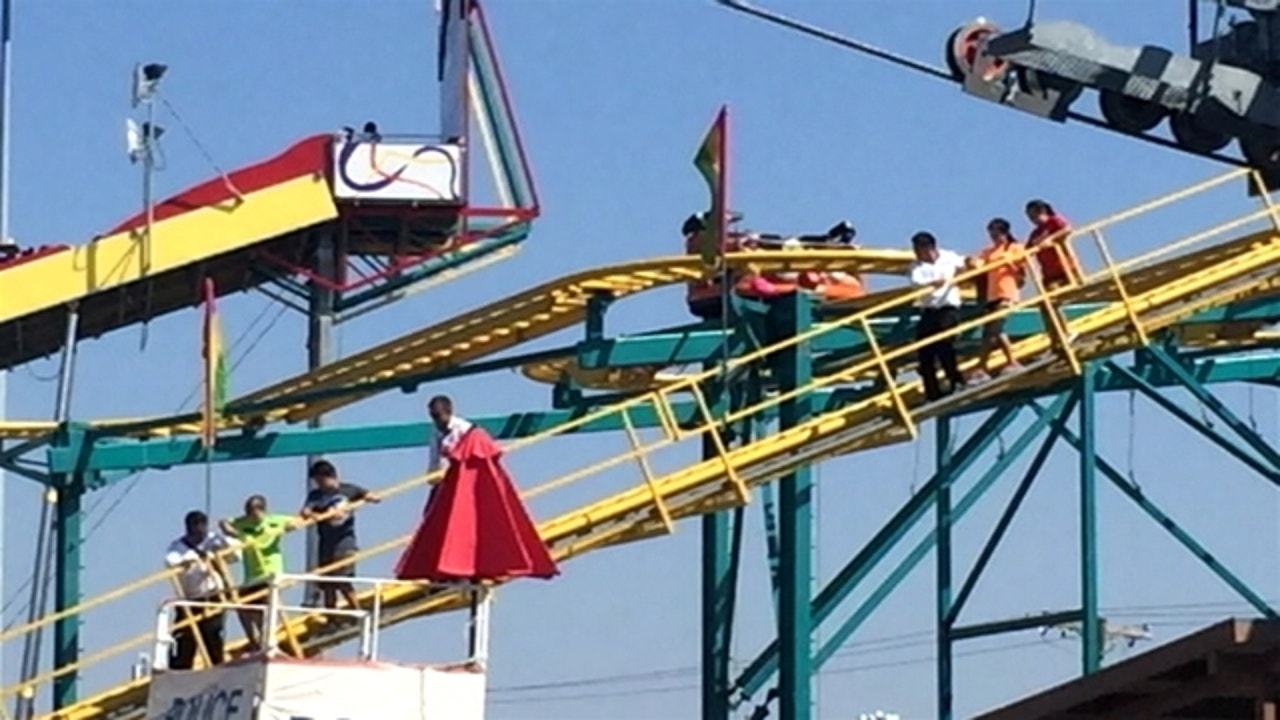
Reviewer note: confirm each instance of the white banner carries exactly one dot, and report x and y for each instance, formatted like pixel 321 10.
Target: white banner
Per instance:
pixel 336 690
pixel 367 170
pixel 228 692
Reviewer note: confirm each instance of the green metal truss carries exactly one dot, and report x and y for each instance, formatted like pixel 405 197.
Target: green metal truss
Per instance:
pixel 79 459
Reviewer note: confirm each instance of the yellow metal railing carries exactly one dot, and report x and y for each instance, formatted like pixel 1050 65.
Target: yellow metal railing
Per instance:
pixel 662 403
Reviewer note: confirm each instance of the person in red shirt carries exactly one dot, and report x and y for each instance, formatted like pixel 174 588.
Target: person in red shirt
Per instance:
pixel 1049 244
pixel 1048 240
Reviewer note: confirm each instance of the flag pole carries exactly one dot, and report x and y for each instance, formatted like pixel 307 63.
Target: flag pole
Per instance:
pixel 722 202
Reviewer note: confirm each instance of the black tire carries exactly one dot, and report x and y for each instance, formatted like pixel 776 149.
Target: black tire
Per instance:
pixel 1194 136
pixel 1129 114
pixel 1262 152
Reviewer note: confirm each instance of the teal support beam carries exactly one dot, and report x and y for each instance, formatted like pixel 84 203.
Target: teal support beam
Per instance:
pixel 1209 400
pixel 721 558
pixel 942 530
pixel 721 547
pixel 1152 393
pixel 789 316
pixel 927 544
pixel 171 452
pixel 1006 519
pixel 1091 624
pixel 1185 538
pixel 772 543
pixel 1000 627
pixel 66 592
pixel 849 577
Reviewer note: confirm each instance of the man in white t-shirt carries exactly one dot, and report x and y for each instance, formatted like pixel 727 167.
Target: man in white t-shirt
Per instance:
pixel 939 311
pixel 198 555
pixel 449 429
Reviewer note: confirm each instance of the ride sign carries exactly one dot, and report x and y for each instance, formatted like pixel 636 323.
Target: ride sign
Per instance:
pixel 290 689
pixel 229 692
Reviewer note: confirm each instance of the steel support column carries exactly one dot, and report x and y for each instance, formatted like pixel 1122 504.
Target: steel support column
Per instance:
pixel 321 318
pixel 66 593
pixel 721 553
pixel 942 529
pixel 793 315
pixel 840 588
pixel 1091 624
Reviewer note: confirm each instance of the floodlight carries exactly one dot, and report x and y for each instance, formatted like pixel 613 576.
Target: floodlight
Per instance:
pixel 145 80
pixel 133 139
pixel 138 138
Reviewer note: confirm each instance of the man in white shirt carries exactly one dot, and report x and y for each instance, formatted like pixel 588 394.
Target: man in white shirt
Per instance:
pixel 449 429
pixel 198 555
pixel 939 312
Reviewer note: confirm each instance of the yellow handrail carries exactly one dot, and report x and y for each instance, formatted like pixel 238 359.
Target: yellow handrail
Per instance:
pixel 662 403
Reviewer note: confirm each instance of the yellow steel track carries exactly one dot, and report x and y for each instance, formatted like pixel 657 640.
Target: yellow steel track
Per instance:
pixel 495 327
pixel 1135 299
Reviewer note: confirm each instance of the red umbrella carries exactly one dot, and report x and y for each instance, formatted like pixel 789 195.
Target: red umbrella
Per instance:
pixel 475 527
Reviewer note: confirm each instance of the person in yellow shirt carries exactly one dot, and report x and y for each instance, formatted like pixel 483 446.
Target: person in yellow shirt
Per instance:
pixel 260 532
pixel 1003 287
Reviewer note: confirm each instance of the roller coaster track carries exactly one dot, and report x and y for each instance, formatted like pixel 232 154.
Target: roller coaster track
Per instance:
pixel 1133 301
pixel 498 326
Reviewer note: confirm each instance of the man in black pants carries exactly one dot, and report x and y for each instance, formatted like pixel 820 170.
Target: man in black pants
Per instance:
pixel 939 312
pixel 200 574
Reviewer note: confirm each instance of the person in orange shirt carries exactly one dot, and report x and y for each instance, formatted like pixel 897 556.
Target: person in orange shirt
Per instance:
pixel 1004 279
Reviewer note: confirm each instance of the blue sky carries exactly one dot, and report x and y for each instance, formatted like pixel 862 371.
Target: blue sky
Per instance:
pixel 613 97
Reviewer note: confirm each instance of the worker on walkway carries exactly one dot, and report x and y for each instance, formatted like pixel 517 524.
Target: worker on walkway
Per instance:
pixel 449 429
pixel 939 312
pixel 328 504
pixel 260 532
pixel 1059 266
pixel 1003 280
pixel 198 555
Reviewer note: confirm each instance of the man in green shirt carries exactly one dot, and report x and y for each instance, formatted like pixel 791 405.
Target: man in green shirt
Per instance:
pixel 260 533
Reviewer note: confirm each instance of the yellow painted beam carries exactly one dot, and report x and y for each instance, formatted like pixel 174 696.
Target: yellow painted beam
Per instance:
pixel 117 260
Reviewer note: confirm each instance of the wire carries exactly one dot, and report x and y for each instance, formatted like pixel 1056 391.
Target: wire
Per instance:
pixel 687 686
pixel 186 129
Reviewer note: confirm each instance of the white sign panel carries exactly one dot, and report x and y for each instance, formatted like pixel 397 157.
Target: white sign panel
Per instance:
pixel 228 692
pixel 319 690
pixel 367 170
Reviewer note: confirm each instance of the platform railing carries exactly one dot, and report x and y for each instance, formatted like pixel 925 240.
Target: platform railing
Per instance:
pixel 1110 277
pixel 273 635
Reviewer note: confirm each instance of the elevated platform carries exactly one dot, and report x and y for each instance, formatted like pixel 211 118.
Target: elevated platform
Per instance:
pixel 394 204
pixel 1228 671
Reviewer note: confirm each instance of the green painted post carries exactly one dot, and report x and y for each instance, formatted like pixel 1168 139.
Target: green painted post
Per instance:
pixel 942 506
pixel 1091 629
pixel 793 315
pixel 721 553
pixel 716 613
pixel 66 631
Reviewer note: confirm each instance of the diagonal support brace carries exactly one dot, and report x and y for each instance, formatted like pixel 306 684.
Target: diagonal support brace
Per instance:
pixel 1135 493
